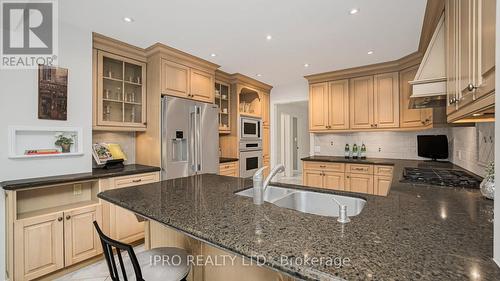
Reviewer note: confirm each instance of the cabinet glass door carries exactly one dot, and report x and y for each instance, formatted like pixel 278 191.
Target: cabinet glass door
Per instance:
pixel 222 100
pixel 121 91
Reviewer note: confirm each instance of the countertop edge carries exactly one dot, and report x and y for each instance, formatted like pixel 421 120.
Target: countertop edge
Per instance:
pixel 20 184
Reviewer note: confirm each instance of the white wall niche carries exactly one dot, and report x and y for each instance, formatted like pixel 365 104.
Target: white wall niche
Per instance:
pixel 22 138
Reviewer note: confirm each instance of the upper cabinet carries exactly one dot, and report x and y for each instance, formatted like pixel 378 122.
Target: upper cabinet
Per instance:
pixel 265 101
pixel 329 106
pixel 318 107
pixel 386 100
pixel 411 118
pixel 186 82
pixel 119 88
pixel 470 47
pixel 175 79
pixel 223 100
pixel 361 103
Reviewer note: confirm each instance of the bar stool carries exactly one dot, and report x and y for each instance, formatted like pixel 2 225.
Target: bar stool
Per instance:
pixel 165 263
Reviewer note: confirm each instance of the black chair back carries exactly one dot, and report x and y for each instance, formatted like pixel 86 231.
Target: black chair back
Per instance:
pixel 107 247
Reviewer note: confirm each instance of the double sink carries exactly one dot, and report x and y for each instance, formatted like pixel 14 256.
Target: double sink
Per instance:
pixel 316 203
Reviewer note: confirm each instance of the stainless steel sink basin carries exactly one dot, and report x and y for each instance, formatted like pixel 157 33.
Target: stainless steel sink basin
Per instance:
pixel 310 202
pixel 272 194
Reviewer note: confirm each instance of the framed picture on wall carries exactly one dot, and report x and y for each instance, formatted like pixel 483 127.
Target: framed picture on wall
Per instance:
pixel 52 93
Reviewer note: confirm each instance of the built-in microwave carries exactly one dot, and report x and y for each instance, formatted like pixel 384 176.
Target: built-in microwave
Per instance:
pixel 250 128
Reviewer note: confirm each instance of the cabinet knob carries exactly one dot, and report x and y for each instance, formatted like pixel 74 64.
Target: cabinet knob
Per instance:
pixel 68 217
pixel 59 219
pixel 471 87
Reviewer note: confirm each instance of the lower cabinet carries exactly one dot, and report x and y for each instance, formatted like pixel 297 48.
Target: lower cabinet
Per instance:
pixel 38 246
pixel 123 224
pixel 360 183
pixel 230 169
pixel 360 178
pixel 81 241
pixel 46 243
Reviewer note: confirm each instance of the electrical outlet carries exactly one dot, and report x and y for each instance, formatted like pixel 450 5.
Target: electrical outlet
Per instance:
pixel 77 189
pixel 331 143
pixel 380 149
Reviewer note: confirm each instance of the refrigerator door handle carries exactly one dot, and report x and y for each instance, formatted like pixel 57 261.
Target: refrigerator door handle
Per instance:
pixel 192 140
pixel 199 149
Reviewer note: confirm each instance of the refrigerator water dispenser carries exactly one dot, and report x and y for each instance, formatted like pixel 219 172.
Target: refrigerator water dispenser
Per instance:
pixel 179 147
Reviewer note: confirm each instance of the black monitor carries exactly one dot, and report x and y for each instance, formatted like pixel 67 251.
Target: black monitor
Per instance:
pixel 433 146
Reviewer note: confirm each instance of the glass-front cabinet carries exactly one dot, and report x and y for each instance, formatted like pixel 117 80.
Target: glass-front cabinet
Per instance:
pixel 121 92
pixel 222 99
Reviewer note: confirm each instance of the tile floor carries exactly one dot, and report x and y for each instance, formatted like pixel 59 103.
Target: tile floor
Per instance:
pixel 95 272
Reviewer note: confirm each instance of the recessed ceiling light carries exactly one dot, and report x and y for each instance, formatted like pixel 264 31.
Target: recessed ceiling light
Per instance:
pixel 353 11
pixel 370 52
pixel 127 19
pixel 269 37
pixel 213 55
pixel 306 65
pixel 259 75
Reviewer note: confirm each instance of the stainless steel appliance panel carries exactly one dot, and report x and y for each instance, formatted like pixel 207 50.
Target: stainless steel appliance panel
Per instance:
pixel 190 140
pixel 250 128
pixel 250 162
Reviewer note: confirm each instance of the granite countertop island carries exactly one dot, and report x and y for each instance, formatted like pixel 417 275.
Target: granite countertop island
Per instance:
pixel 417 232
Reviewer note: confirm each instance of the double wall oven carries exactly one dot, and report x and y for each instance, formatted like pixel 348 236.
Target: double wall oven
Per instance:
pixel 250 146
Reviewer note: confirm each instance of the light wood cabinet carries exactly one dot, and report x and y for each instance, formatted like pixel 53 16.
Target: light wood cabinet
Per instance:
pixel 338 111
pixel 266 162
pixel 265 100
pixel 186 82
pixel 411 118
pixel 313 178
pixel 333 180
pixel 361 178
pixel 38 246
pixel 230 169
pixel 361 183
pixel 202 86
pixel 175 79
pixel 120 92
pixel 318 107
pixel 470 47
pixel 381 185
pixel 123 224
pixel 361 102
pixel 386 100
pixel 81 241
pixel 223 100
pixel 329 106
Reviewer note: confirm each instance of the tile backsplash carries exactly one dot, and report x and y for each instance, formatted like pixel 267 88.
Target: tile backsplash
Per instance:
pixel 125 139
pixel 469 147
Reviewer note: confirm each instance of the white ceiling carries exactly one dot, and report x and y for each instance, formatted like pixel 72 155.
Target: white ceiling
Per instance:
pixel 318 32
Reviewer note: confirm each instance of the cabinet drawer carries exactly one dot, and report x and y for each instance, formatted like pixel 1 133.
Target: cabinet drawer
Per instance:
pixel 125 181
pixel 227 166
pixel 383 170
pixel 359 169
pixel 324 166
pixel 228 169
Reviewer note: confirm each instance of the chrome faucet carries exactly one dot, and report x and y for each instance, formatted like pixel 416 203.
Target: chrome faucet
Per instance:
pixel 278 169
pixel 343 217
pixel 259 187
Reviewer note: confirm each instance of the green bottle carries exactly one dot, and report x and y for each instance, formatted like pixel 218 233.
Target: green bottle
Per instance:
pixel 347 151
pixel 363 151
pixel 355 151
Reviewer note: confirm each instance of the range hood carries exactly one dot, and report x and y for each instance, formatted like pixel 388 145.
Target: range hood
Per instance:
pixel 429 86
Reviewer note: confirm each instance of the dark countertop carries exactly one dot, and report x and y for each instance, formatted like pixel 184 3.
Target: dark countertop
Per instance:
pixel 340 159
pixel 227 159
pixel 95 174
pixel 417 232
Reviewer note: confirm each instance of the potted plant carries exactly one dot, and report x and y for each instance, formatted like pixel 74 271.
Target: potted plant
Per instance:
pixel 64 142
pixel 488 183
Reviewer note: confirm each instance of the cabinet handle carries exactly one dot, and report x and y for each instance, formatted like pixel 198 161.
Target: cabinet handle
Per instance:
pixel 139 180
pixel 59 219
pixel 322 166
pixel 348 177
pixel 68 217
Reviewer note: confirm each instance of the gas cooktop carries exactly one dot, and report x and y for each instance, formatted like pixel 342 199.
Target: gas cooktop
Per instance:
pixel 440 177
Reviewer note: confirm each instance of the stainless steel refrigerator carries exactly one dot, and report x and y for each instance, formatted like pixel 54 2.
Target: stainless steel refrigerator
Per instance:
pixel 189 138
